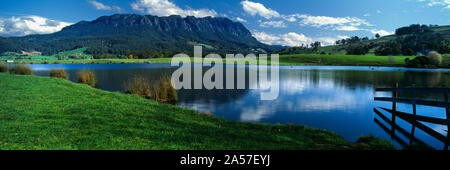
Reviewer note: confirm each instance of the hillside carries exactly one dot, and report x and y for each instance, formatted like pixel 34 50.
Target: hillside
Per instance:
pixel 122 34
pixel 75 54
pixel 59 114
pixel 437 38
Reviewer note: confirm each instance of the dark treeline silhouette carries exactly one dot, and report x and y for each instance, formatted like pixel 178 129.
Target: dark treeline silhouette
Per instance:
pixel 351 40
pixel 414 29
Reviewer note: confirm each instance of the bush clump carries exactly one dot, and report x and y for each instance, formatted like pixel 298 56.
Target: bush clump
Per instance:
pixel 58 73
pixel 21 70
pixel 87 77
pixel 164 92
pixel 139 85
pixel 432 60
pixel 435 58
pixel 3 68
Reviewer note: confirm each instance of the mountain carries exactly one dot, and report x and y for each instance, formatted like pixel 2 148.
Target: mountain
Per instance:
pixel 122 34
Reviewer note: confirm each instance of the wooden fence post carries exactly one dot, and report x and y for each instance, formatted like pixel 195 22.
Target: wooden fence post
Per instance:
pixel 413 128
pixel 447 112
pixel 394 107
pixel 395 96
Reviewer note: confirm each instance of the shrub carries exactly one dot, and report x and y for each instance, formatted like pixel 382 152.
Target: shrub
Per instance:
pixel 435 58
pixel 87 77
pixel 419 62
pixel 3 68
pixel 139 85
pixel 208 113
pixel 21 70
pixel 58 73
pixel 407 60
pixel 164 92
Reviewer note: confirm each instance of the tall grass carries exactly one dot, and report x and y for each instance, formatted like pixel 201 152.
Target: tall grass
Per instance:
pixel 87 77
pixel 139 85
pixel 58 73
pixel 162 91
pixel 3 68
pixel 21 70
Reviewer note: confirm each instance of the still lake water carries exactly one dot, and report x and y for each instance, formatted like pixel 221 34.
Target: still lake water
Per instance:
pixel 336 98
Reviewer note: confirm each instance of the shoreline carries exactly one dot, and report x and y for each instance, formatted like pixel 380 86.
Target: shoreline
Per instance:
pixel 281 64
pixel 284 60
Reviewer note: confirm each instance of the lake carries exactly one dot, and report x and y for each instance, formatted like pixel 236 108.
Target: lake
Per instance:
pixel 336 98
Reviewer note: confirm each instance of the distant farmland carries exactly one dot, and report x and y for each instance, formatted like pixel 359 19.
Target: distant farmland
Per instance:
pixel 65 55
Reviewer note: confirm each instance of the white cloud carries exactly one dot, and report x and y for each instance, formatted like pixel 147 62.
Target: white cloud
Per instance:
pixel 381 32
pixel 290 39
pixel 241 20
pixel 328 40
pixel 26 25
pixel 100 6
pixel 347 28
pixel 275 24
pixel 254 8
pixel 367 15
pixel 293 39
pixel 326 22
pixel 319 21
pixel 167 8
pixel 290 18
pixel 431 3
pixel 340 37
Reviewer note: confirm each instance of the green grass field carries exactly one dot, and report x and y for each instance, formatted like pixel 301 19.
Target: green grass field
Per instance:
pixel 342 60
pixel 43 113
pixel 65 55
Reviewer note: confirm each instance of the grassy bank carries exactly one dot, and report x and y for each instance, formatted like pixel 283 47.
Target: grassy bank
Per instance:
pixel 297 59
pixel 50 113
pixel 343 60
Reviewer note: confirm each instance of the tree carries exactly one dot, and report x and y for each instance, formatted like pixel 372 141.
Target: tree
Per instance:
pixel 393 48
pixel 408 52
pixel 357 50
pixel 316 45
pixel 413 29
pixel 377 36
pixel 129 56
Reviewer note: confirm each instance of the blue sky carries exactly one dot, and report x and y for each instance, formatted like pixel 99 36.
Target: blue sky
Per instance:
pixel 285 22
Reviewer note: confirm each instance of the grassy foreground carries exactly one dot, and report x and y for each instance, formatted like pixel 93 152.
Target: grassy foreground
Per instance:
pixel 296 59
pixel 40 113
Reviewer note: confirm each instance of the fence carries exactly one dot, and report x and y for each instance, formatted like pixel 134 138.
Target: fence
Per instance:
pixel 413 118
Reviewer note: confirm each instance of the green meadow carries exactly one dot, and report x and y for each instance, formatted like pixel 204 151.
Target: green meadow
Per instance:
pixel 75 54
